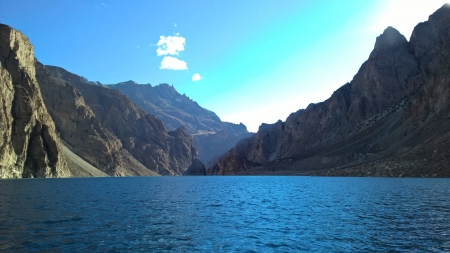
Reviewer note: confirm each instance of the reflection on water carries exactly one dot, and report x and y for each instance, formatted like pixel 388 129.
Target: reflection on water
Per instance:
pixel 213 214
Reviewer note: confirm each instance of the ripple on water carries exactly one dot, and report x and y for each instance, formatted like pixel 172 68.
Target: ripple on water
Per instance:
pixel 225 214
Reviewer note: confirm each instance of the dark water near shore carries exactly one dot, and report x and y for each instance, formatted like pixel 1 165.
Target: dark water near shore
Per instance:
pixel 225 214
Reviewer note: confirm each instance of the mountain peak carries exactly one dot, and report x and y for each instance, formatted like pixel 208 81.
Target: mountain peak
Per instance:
pixel 445 7
pixel 390 38
pixel 5 26
pixel 130 82
pixel 165 85
pixel 166 89
pixel 442 14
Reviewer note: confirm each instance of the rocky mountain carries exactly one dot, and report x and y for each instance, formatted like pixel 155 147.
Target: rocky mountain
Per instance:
pixel 212 137
pixel 174 109
pixel 81 131
pixel 110 131
pixel 29 145
pixel 392 119
pixel 57 124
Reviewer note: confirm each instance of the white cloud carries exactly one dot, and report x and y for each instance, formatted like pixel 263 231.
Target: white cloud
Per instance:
pixel 102 5
pixel 170 45
pixel 174 25
pixel 173 63
pixel 196 77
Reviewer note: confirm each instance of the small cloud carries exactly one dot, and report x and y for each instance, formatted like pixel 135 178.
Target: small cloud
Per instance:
pixel 170 45
pixel 196 77
pixel 174 25
pixel 173 63
pixel 102 5
pixel 138 46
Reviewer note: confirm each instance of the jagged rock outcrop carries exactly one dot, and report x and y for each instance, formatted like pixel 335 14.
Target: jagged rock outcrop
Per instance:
pixel 29 144
pixel 395 108
pixel 138 137
pixel 212 137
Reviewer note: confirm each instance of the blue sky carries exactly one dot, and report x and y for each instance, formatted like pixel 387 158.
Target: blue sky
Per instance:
pixel 248 61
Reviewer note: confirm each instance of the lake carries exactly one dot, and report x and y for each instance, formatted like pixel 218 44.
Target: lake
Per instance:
pixel 225 214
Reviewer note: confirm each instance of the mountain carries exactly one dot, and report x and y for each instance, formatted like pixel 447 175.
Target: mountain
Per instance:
pixel 211 136
pixel 174 109
pixel 392 119
pixel 29 145
pixel 110 131
pixel 57 124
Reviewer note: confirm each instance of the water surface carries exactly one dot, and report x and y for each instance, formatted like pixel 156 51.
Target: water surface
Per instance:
pixel 225 214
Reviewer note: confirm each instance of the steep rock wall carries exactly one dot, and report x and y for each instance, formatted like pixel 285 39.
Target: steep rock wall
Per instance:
pixel 29 144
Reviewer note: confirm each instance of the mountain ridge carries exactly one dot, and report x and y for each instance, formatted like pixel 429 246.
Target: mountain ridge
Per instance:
pixel 212 137
pixel 371 118
pixel 141 139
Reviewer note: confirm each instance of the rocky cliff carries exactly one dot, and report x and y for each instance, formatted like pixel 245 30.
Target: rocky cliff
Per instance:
pixel 118 136
pixel 212 137
pixel 390 120
pixel 29 146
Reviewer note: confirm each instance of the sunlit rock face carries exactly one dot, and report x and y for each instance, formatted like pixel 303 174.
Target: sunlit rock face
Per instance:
pixel 382 123
pixel 29 144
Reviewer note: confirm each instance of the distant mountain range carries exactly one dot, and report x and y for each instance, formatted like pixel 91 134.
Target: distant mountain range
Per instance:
pixel 392 119
pixel 212 137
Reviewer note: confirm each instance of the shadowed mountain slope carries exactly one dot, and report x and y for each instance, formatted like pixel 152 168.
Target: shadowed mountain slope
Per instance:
pixel 392 119
pixel 111 132
pixel 82 132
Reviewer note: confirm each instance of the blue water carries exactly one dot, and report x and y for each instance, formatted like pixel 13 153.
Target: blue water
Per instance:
pixel 225 214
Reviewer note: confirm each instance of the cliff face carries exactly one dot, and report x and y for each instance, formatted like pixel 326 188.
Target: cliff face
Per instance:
pixel 29 144
pixel 122 128
pixel 212 137
pixel 381 122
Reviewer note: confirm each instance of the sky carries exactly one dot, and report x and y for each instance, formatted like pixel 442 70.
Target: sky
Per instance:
pixel 249 61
